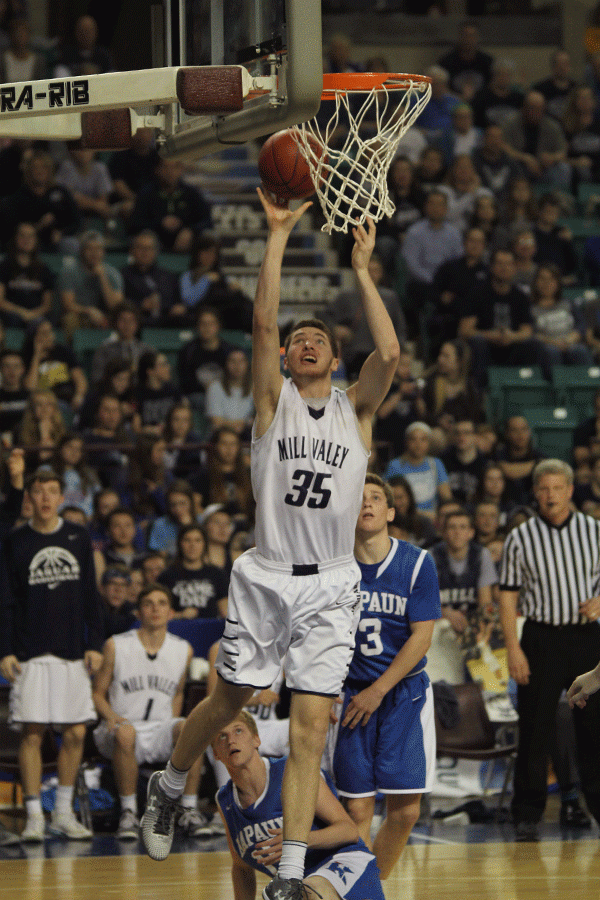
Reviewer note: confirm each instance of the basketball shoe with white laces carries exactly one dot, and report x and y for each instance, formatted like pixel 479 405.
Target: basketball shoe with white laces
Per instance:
pixel 33 833
pixel 158 821
pixel 129 826
pixel 288 889
pixel 68 825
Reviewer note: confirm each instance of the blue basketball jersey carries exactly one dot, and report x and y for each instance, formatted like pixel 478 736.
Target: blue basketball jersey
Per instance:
pixel 249 826
pixel 401 589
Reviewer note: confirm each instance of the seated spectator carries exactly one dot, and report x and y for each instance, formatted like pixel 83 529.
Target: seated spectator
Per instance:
pixel 202 359
pixel 497 322
pixel 436 119
pixel 218 530
pixel 172 209
pixel 517 458
pixel 117 381
pixel 19 62
pixel 400 407
pixel 417 527
pixel 41 427
pixel 26 282
pixel 431 169
pixel 144 487
pixel 80 481
pixel 52 366
pixel 586 434
pixel 487 438
pixel 486 520
pixel 557 88
pixel 162 533
pixel 46 205
pixel 425 473
pixel 12 159
pixel 83 56
pixel 88 286
pixel 118 610
pixel 121 529
pixel 123 345
pixel 13 394
pixel 136 584
pixel 554 243
pixel 227 477
pixel 153 290
pixel 586 497
pixel 345 317
pixel 142 726
pixel 155 393
pixel 524 248
pixel 463 461
pixel 104 441
pixel 453 281
pixel 427 244
pixel 496 102
pixel 580 121
pixel 153 565
pixel 449 394
pixel 408 198
pixel 132 170
pixel 89 182
pixel 181 458
pixel 199 590
pixel 537 141
pixel 463 137
pixel 229 398
pixel 494 166
pixel 519 209
pixel 204 285
pixel 486 215
pixel 556 324
pixel 468 66
pixel 462 188
pixel 105 501
pixel 492 489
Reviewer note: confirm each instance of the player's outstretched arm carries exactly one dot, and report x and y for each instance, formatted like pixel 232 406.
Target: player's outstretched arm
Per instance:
pixel 266 374
pixel 378 370
pixel 339 828
pixel 583 686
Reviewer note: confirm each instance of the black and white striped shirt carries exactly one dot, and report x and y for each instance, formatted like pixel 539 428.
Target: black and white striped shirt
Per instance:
pixel 557 567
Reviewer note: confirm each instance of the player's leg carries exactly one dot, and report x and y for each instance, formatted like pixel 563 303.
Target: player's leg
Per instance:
pixel 361 810
pixel 68 762
pixel 322 887
pixel 30 764
pixel 191 821
pixel 126 770
pixel 402 814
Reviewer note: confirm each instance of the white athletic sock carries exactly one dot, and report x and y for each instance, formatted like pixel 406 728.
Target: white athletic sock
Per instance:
pixel 64 800
pixel 189 801
pixel 172 781
pixel 291 865
pixel 33 806
pixel 128 801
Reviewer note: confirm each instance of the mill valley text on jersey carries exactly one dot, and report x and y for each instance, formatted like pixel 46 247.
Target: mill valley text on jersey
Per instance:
pixel 301 447
pixel 40 96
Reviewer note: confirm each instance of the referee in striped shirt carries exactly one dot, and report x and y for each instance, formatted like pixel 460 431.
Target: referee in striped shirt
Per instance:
pixel 553 562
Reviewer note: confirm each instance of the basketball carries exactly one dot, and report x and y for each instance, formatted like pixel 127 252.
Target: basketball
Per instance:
pixel 283 169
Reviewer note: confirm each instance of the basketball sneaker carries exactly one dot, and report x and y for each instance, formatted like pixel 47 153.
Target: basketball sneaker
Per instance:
pixel 193 823
pixel 68 825
pixel 158 821
pixel 33 833
pixel 129 826
pixel 288 889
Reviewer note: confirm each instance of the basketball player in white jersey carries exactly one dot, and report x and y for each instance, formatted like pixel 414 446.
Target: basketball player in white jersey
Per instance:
pixel 294 597
pixel 138 694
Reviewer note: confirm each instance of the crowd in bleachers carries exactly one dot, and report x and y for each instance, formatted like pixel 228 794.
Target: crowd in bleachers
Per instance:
pixel 124 359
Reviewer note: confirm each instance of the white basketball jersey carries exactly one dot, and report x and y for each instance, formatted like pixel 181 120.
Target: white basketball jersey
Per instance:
pixel 308 474
pixel 143 685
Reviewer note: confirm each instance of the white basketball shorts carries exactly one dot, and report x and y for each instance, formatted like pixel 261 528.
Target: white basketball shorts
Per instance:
pixel 51 691
pixel 153 740
pixel 305 621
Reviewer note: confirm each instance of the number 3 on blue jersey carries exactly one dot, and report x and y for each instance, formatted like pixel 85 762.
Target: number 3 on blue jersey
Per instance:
pixel 371 628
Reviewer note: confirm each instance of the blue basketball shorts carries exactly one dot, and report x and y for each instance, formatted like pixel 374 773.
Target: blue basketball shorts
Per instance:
pixel 353 874
pixel 394 753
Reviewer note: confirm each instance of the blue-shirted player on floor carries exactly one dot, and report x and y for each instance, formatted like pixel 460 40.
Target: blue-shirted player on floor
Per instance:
pixel 386 740
pixel 338 865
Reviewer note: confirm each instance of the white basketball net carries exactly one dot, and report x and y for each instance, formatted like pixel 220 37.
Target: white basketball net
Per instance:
pixel 351 180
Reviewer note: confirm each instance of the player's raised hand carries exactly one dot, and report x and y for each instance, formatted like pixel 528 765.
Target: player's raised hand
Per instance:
pixel 280 217
pixel 364 243
pixel 9 667
pixel 362 706
pixel 584 685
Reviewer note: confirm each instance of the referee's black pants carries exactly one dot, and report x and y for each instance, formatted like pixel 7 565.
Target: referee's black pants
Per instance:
pixel 556 655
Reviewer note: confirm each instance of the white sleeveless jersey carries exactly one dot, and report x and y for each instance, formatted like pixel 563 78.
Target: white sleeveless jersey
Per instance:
pixel 142 688
pixel 308 474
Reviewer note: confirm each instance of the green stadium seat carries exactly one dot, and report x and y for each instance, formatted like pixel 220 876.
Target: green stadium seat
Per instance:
pixel 85 343
pixel 553 429
pixel 511 388
pixel 237 339
pixel 167 339
pixel 13 338
pixel 587 192
pixel 576 387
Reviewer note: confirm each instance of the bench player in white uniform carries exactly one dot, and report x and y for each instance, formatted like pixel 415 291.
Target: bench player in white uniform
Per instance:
pixel 338 864
pixel 293 598
pixel 386 740
pixel 138 694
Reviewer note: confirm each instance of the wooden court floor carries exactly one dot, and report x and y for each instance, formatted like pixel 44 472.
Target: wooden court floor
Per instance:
pixel 433 867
